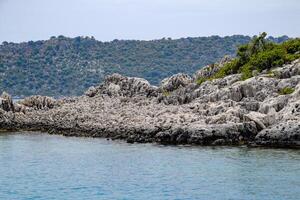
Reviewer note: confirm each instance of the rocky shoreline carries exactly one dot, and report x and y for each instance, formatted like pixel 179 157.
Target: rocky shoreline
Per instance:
pixel 227 111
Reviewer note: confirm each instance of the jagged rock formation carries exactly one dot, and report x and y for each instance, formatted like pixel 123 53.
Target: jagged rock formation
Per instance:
pixel 175 81
pixel 224 111
pixel 117 84
pixel 6 102
pixel 39 102
pixel 210 70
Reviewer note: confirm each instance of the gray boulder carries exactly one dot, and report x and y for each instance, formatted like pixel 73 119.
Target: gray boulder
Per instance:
pixel 284 134
pixel 118 85
pixel 91 92
pixel 174 82
pixel 39 102
pixel 212 69
pixel 289 70
pixel 6 102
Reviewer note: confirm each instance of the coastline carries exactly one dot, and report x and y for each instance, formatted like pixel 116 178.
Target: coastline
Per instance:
pixel 226 111
pixel 80 134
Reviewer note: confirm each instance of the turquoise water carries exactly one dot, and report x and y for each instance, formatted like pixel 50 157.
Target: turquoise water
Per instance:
pixel 40 166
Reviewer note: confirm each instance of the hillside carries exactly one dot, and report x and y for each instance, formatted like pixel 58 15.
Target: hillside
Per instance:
pixel 64 66
pixel 253 99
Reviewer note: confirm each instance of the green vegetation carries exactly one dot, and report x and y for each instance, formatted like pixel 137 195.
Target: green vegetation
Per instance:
pixel 271 74
pixel 68 66
pixel 201 80
pixel 286 90
pixel 166 93
pixel 258 55
pixel 64 66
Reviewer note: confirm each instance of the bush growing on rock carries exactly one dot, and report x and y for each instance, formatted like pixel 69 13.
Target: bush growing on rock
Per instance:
pixel 258 55
pixel 201 80
pixel 166 93
pixel 292 46
pixel 286 90
pixel 270 58
pixel 231 67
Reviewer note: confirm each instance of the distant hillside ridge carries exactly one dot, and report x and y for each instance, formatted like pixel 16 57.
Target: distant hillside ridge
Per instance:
pixel 63 66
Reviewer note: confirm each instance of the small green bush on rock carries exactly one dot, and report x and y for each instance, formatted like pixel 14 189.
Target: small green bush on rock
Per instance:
pixel 258 55
pixel 286 90
pixel 268 59
pixel 200 80
pixel 166 93
pixel 231 67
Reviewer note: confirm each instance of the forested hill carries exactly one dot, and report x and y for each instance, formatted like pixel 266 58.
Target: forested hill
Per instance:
pixel 64 66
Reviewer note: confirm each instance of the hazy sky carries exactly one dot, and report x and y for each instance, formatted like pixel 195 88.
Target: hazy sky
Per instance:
pixel 23 20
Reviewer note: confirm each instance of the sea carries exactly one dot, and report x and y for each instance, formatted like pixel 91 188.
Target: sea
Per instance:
pixel 39 166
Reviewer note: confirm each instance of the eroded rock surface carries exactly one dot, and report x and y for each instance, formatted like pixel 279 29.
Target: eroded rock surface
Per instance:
pixel 224 111
pixel 210 70
pixel 118 85
pixel 174 82
pixel 39 102
pixel 6 102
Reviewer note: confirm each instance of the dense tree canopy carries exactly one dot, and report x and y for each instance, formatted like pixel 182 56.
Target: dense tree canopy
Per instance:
pixel 68 66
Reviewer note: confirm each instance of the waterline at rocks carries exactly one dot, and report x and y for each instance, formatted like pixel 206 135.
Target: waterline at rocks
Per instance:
pixel 225 111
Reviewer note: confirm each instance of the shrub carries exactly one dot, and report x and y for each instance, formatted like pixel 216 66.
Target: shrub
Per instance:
pixel 260 54
pixel 231 67
pixel 286 90
pixel 292 46
pixel 200 80
pixel 166 93
pixel 246 71
pixel 271 74
pixel 268 59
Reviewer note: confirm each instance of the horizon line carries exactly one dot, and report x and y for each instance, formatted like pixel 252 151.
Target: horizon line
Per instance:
pixel 141 40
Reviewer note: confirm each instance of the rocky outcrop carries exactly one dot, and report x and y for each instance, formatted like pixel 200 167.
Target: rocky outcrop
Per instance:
pixel 6 102
pixel 210 70
pixel 39 102
pixel 225 111
pixel 285 131
pixel 175 81
pixel 288 71
pixel 118 85
pixel 284 134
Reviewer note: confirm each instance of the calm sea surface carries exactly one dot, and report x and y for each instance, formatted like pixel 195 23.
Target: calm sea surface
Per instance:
pixel 40 166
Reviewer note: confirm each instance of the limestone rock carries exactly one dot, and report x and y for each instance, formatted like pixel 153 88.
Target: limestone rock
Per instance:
pixel 226 111
pixel 260 119
pixel 285 134
pixel 174 82
pixel 210 70
pixel 39 102
pixel 289 70
pixel 118 85
pixel 91 92
pixel 6 102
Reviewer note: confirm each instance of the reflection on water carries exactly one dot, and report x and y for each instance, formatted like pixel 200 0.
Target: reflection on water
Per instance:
pixel 39 166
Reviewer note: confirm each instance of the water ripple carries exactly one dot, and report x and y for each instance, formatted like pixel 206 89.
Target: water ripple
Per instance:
pixel 40 166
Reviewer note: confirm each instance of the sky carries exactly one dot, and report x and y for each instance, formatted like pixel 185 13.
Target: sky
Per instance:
pixel 106 20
